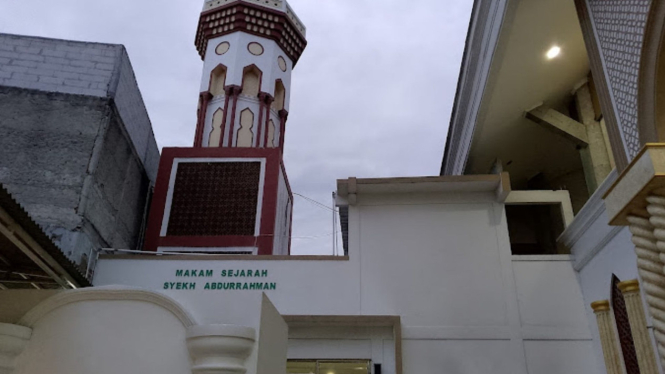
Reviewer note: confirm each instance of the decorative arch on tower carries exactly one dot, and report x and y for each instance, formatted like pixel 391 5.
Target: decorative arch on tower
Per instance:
pixel 280 95
pixel 215 137
pixel 251 80
pixel 245 135
pixel 218 80
pixel 651 83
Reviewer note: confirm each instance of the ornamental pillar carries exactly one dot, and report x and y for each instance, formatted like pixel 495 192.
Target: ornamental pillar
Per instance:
pixel 638 327
pixel 13 340
pixel 608 338
pixel 219 349
pixel 637 200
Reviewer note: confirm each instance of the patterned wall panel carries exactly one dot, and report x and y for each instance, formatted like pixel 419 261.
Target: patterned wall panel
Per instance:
pixel 215 199
pixel 620 26
pixel 623 328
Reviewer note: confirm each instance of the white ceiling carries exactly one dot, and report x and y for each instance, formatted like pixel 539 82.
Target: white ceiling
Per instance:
pixel 521 77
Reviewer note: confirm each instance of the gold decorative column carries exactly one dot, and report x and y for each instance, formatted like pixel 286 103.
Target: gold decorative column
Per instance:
pixel 637 200
pixel 638 327
pixel 608 337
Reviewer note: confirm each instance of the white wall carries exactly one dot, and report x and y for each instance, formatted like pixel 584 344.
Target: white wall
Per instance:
pixel 127 330
pixel 106 337
pixel 440 261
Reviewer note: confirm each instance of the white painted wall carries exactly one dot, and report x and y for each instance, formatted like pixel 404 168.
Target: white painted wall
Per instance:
pixel 283 218
pixel 442 262
pixel 106 337
pixel 116 330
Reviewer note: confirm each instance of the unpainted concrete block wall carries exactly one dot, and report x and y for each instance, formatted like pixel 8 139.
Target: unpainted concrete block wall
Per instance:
pixel 76 143
pixel 116 197
pixel 57 65
pixel 46 142
pixel 130 105
pixel 67 160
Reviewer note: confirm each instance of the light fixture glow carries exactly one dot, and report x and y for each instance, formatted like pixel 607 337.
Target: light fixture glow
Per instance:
pixel 553 52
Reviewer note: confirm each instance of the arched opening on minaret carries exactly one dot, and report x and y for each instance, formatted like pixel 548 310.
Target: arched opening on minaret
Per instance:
pixel 218 80
pixel 245 137
pixel 216 132
pixel 251 81
pixel 280 95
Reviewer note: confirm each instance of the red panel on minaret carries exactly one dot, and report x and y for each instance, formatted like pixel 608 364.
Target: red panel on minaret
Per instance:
pixel 214 199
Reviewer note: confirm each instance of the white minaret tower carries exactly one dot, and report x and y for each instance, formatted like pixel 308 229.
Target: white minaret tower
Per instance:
pixel 230 193
pixel 249 48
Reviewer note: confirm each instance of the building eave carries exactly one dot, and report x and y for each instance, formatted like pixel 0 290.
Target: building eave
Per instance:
pixel 21 227
pixel 487 19
pixel 438 184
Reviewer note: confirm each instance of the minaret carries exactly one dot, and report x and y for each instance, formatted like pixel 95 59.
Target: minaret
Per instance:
pixel 230 193
pixel 249 49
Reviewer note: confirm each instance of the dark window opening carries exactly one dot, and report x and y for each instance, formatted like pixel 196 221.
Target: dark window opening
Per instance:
pixel 534 229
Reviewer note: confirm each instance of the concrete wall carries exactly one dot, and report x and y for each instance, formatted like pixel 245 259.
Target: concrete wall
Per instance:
pixel 440 261
pixel 76 144
pixel 68 161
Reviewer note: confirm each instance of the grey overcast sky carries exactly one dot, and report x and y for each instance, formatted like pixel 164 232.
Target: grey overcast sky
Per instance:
pixel 371 95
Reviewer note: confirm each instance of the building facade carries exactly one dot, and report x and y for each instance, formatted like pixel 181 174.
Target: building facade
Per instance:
pixel 582 119
pixel 537 249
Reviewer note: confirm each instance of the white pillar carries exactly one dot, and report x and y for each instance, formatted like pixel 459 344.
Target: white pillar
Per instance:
pixel 220 349
pixel 608 337
pixel 13 340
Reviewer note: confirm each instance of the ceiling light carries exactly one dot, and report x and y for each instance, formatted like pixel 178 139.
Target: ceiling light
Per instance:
pixel 553 52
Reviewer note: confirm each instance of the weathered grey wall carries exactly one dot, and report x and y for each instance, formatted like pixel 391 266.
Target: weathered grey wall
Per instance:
pixel 67 159
pixel 91 69
pixel 76 143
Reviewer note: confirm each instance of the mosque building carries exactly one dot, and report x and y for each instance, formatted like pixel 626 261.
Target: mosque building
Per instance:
pixel 538 248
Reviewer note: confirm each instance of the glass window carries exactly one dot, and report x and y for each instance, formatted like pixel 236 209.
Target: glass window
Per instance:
pixel 328 367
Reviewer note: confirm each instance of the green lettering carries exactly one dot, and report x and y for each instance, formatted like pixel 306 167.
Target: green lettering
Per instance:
pixel 245 287
pixel 242 273
pixel 232 286
pixel 264 273
pixel 166 285
pixel 273 286
pixel 266 286
pixel 257 273
pixel 207 286
pixel 252 286
pixel 223 273
pixel 178 286
pixel 192 286
pixel 178 273
pixel 172 285
pixel 208 273
pixel 238 286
